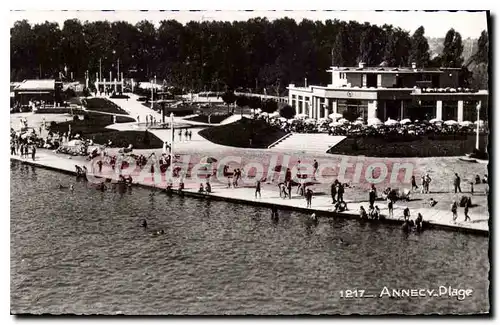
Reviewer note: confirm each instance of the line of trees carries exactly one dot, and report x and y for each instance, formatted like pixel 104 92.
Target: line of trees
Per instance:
pixel 253 54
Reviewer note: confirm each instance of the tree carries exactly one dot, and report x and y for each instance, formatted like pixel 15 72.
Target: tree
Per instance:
pixel 229 98
pixel 419 51
pixel 269 106
pixel 397 46
pixel 452 50
pixel 241 101
pixel 482 55
pixel 287 112
pixel 339 49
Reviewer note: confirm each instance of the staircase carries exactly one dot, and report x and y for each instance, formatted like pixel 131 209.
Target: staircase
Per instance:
pixel 307 142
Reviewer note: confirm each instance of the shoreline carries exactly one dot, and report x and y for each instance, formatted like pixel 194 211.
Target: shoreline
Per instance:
pixel 219 195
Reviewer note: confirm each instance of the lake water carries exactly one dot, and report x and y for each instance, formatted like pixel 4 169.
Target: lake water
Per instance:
pixel 83 252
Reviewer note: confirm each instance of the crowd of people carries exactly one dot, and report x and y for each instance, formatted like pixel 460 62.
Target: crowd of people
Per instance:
pixel 375 127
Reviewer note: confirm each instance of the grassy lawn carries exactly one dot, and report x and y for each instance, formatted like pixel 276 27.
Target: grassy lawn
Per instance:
pixel 93 127
pixel 244 133
pixel 102 105
pixel 213 119
pixel 92 123
pixel 425 146
pixel 120 139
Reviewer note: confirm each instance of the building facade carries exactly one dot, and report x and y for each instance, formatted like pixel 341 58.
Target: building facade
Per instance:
pixel 385 92
pixel 38 90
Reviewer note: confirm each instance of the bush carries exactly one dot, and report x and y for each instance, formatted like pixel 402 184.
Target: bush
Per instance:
pixel 244 133
pixel 287 112
pixel 114 95
pixel 102 105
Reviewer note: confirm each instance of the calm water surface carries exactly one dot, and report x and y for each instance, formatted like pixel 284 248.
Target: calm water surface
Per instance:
pixel 84 252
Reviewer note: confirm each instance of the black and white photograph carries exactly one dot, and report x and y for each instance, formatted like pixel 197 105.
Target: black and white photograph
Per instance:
pixel 250 162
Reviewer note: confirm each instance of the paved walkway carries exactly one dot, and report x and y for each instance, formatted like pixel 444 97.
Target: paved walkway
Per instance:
pixel 321 204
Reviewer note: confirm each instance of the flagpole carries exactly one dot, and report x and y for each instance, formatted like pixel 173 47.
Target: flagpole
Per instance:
pixel 172 148
pixel 478 107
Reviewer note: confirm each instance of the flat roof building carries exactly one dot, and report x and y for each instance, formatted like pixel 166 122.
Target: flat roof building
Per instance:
pixel 46 90
pixel 389 92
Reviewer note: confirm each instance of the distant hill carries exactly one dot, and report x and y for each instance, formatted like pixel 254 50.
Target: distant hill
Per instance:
pixel 436 46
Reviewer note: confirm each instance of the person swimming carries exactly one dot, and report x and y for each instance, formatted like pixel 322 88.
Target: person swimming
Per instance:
pixel 314 218
pixel 71 187
pixel 144 223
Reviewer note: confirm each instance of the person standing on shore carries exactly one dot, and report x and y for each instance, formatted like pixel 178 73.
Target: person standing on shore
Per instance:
pixel 413 183
pixel 427 182
pixel 180 135
pixel 190 134
pixel 289 186
pixel 422 185
pixel 33 152
pixel 315 165
pixel 309 195
pixel 456 183
pixel 454 207
pixel 466 211
pixel 340 192
pixel 257 189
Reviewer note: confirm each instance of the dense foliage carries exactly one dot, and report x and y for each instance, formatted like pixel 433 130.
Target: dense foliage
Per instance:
pixel 213 55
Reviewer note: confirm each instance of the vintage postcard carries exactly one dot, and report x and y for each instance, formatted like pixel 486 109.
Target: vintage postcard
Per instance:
pixel 249 162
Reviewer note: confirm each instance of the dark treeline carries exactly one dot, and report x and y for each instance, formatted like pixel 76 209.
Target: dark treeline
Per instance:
pixel 253 54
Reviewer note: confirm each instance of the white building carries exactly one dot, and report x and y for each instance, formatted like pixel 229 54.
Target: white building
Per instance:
pixel 385 92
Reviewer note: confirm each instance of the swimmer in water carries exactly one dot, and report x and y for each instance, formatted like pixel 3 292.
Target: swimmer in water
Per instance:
pixel 71 187
pixel 144 223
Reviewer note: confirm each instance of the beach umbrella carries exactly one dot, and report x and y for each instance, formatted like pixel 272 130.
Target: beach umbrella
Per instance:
pixel 335 124
pixel 451 122
pixel 374 121
pixel 358 122
pixel 435 120
pixel 335 116
pixel 208 160
pixel 343 121
pixel 310 121
pixel 406 121
pixel 391 122
pixel 265 114
pixel 466 123
pixel 481 122
pixel 274 114
pixel 301 116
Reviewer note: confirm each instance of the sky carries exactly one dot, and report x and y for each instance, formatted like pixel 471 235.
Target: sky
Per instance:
pixel 436 24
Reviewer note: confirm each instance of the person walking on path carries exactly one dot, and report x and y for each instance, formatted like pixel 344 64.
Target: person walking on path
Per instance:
pixel 456 183
pixel 466 211
pixel 190 134
pixel 422 185
pixel 340 192
pixel 186 134
pixel 180 135
pixel 413 183
pixel 472 188
pixel 333 191
pixel 315 165
pixel 454 207
pixel 257 189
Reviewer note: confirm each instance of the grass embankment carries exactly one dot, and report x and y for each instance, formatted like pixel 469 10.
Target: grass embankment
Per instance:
pixel 102 105
pixel 244 133
pixel 213 118
pixel 93 126
pixel 424 146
